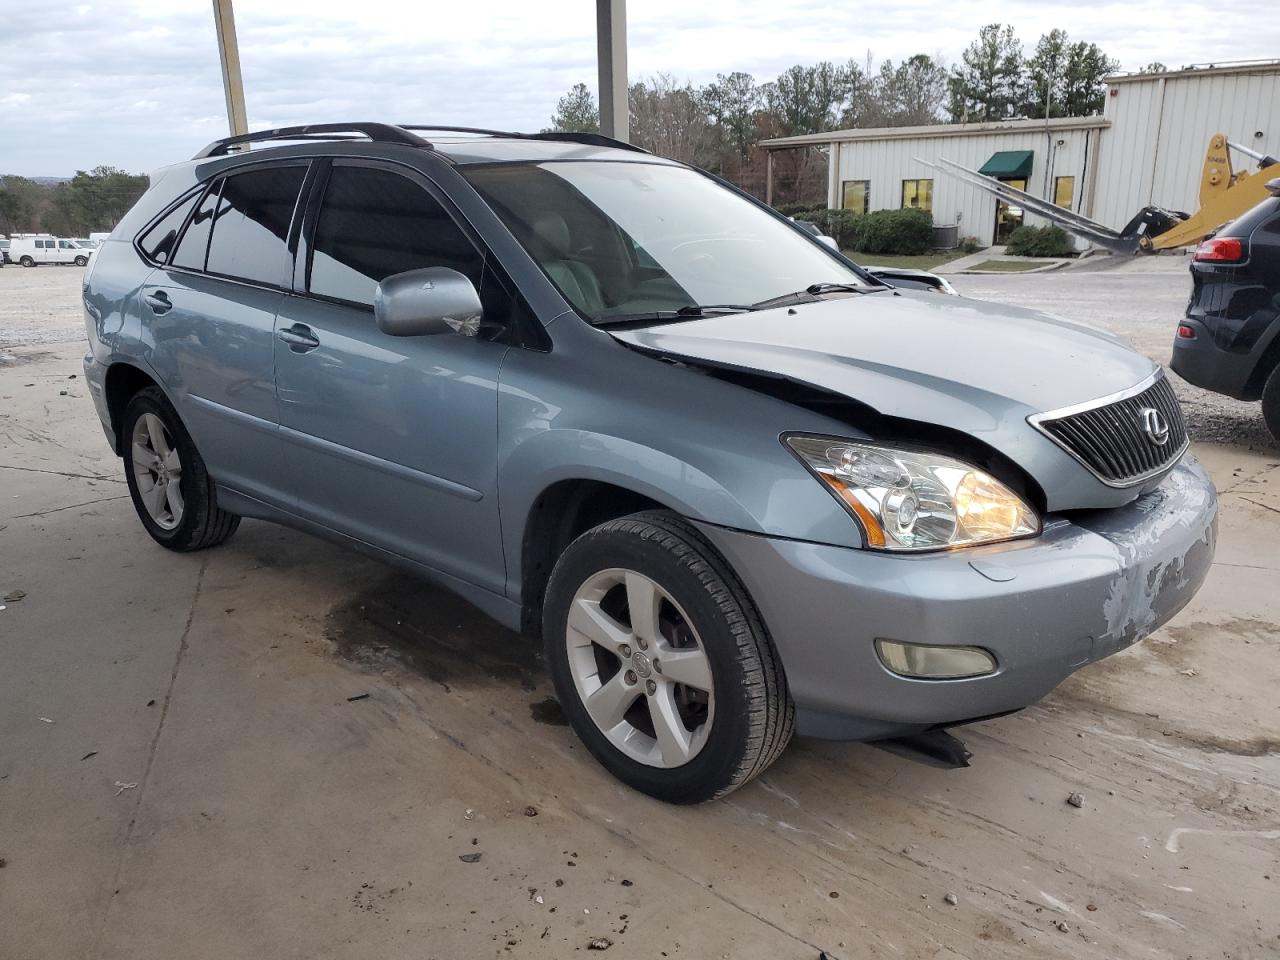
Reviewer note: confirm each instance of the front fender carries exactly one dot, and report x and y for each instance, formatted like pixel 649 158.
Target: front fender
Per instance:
pixel 708 449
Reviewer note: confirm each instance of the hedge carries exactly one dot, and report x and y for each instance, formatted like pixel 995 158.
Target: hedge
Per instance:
pixel 905 232
pixel 1047 241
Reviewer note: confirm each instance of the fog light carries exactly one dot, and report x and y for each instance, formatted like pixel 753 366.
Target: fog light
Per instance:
pixel 923 661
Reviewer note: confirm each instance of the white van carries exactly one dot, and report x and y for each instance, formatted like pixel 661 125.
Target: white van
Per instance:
pixel 30 251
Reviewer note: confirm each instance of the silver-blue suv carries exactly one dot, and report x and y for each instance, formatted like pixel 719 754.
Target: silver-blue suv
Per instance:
pixel 740 487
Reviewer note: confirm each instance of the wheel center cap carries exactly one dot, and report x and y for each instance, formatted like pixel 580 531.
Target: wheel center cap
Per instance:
pixel 642 664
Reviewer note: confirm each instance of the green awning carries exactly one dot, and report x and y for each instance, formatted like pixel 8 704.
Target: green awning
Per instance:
pixel 1008 163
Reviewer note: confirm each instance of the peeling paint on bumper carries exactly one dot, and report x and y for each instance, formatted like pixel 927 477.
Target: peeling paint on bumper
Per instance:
pixel 1091 585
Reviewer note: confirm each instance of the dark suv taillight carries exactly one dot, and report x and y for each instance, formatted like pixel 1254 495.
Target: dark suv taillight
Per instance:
pixel 1220 250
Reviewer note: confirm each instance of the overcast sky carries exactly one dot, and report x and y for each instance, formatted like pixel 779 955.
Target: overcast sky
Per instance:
pixel 136 83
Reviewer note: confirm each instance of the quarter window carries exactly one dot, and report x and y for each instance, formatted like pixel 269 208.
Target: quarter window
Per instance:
pixel 158 242
pixel 856 195
pixel 195 241
pixel 251 227
pixel 374 223
pixel 917 194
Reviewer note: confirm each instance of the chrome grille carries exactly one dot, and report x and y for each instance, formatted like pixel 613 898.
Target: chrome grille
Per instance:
pixel 1111 437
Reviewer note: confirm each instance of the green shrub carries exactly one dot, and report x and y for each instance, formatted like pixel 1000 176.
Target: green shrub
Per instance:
pixel 905 232
pixel 970 245
pixel 1046 241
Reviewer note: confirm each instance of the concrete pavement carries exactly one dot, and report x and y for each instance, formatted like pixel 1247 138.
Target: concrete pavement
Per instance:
pixel 264 813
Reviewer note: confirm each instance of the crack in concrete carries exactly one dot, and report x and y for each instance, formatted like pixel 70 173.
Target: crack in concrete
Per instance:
pixel 61 473
pixel 1264 506
pixel 151 756
pixel 69 506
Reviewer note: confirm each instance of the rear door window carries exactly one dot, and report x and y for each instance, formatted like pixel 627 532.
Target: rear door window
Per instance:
pixel 251 225
pixel 374 223
pixel 195 242
pixel 158 242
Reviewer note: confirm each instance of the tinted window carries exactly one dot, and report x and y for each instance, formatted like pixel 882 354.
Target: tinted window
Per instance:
pixel 195 242
pixel 373 224
pixel 251 227
pixel 157 243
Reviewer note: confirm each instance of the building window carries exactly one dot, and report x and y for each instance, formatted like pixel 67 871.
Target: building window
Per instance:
pixel 856 196
pixel 1064 190
pixel 917 194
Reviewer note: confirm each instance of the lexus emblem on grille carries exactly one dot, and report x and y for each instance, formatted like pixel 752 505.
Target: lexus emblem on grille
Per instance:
pixel 1155 425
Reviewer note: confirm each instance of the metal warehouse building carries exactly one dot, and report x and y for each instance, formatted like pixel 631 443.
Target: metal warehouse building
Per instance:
pixel 1148 147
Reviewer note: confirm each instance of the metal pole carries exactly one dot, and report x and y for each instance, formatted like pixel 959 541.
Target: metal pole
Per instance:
pixel 768 177
pixel 611 53
pixel 229 53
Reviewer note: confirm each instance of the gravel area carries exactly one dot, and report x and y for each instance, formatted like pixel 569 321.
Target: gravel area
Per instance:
pixel 40 305
pixel 1140 300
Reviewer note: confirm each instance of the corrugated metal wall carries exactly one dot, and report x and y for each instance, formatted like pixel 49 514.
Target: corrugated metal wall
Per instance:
pixel 886 163
pixel 1160 128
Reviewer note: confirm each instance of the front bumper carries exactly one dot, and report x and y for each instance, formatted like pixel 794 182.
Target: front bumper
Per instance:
pixel 1088 587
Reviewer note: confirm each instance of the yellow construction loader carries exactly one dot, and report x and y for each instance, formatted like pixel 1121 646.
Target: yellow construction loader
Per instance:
pixel 1224 195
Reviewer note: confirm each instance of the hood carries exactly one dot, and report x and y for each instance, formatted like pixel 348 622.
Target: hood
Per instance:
pixel 973 366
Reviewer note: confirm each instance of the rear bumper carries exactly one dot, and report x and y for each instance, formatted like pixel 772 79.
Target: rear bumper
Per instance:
pixel 95 375
pixel 1203 363
pixel 1086 588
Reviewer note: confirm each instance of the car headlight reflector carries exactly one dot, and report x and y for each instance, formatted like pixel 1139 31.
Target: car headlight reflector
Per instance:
pixel 910 500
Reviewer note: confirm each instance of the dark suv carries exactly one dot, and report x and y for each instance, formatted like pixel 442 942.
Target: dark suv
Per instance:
pixel 1230 340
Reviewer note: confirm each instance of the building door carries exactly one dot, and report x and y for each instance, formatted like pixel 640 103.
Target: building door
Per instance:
pixel 1008 215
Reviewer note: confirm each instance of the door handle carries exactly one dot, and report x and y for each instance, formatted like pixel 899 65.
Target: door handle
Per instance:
pixel 299 338
pixel 158 301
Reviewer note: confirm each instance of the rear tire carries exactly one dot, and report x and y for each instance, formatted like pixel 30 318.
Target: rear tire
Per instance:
pixel 1271 403
pixel 171 489
pixel 676 741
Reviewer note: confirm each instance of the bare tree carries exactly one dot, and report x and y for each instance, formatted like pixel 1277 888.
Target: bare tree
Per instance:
pixel 669 119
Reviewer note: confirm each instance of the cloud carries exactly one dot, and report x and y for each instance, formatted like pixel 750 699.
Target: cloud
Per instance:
pixel 137 84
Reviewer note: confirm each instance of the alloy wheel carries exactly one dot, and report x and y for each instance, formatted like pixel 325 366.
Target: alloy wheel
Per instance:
pixel 639 668
pixel 158 471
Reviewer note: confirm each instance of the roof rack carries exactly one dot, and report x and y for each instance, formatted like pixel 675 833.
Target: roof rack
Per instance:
pixel 377 132
pixel 397 133
pixel 595 139
pixel 480 130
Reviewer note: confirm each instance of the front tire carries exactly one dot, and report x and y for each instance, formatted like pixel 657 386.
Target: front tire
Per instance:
pixel 81 261
pixel 27 262
pixel 171 489
pixel 661 661
pixel 1271 403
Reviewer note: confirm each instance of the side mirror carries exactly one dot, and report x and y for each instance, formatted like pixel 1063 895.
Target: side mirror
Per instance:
pixel 829 242
pixel 427 301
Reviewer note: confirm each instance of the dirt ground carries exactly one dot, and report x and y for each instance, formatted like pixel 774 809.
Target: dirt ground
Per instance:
pixel 279 749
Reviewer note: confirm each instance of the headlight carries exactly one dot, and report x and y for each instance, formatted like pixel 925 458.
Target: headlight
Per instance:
pixel 912 500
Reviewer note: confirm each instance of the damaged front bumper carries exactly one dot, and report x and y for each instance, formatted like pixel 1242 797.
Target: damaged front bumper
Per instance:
pixel 1089 586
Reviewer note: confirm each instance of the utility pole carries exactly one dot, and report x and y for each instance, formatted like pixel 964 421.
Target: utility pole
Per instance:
pixel 229 53
pixel 611 57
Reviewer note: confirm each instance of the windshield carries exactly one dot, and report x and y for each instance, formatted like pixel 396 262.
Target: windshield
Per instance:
pixel 628 239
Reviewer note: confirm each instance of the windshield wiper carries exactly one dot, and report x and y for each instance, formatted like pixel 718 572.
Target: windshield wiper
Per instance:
pixel 691 311
pixel 815 290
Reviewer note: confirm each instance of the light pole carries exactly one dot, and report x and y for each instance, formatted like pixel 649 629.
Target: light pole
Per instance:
pixel 611 55
pixel 229 53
